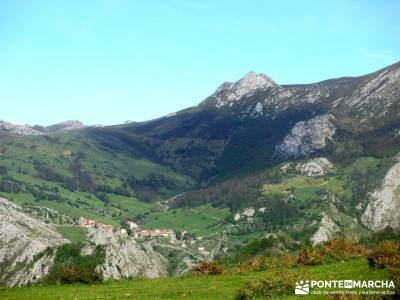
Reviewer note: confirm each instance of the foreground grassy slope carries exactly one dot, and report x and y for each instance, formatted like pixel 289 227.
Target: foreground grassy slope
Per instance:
pixel 191 287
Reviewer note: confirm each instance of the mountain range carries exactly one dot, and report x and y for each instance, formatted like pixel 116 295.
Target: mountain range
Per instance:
pixel 302 163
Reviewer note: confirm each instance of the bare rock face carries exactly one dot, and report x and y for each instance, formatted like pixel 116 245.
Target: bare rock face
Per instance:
pixel 65 126
pixel 316 167
pixel 23 241
pixel 384 207
pixel 326 230
pixel 306 137
pixel 376 98
pixel 17 129
pixel 125 257
pixel 229 93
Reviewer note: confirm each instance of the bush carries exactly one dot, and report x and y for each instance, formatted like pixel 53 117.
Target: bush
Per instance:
pixel 262 263
pixel 73 274
pixel 71 266
pixel 208 268
pixel 245 294
pixel 394 273
pixel 340 249
pixel 272 286
pixel 3 170
pixel 10 186
pixel 308 256
pixel 386 255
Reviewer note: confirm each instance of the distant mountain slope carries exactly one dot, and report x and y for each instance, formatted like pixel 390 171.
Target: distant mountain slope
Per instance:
pixel 61 127
pixel 7 128
pixel 239 126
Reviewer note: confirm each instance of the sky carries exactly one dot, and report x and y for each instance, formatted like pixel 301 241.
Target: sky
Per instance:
pixel 109 61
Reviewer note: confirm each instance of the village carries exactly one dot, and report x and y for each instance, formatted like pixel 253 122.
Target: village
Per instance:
pixel 132 229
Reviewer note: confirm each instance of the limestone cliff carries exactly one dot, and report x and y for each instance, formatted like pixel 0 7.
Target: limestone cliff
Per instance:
pixel 384 207
pixel 125 256
pixel 23 244
pixel 306 137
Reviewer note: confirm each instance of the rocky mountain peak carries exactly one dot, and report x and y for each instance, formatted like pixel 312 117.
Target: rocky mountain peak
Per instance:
pixel 69 125
pixel 228 93
pixel 252 81
pixel 63 126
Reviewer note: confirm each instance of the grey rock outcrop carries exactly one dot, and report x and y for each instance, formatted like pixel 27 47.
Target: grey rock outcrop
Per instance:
pixel 228 93
pixel 17 129
pixel 316 167
pixel 125 256
pixel 320 166
pixel 383 209
pixel 23 241
pixel 69 125
pixel 375 98
pixel 326 230
pixel 306 137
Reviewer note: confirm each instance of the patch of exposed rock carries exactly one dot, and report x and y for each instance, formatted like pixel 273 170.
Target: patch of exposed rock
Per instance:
pixel 229 93
pixel 316 167
pixel 320 166
pixel 65 126
pixel 17 129
pixel 306 137
pixel 23 241
pixel 383 209
pixel 376 97
pixel 245 214
pixel 327 230
pixel 125 256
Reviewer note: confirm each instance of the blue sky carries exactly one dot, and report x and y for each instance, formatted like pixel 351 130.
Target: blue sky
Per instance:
pixel 108 61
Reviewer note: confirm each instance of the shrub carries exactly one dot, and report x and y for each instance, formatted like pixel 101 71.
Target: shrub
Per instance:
pixel 394 273
pixel 271 286
pixel 340 249
pixel 73 274
pixel 308 256
pixel 262 263
pixel 71 266
pixel 245 294
pixel 386 255
pixel 3 170
pixel 208 268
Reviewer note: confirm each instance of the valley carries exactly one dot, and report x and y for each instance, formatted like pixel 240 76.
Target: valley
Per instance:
pixel 284 167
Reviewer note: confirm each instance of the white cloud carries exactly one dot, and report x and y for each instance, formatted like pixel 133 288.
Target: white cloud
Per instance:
pixel 382 55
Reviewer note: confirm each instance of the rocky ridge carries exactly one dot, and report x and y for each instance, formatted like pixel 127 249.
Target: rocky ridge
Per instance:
pixel 383 209
pixel 69 125
pixel 17 129
pixel 24 240
pixel 125 256
pixel 228 93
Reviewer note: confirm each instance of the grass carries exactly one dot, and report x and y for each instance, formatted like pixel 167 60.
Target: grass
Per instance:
pixel 190 287
pixel 133 205
pixel 201 220
pixel 105 166
pixel 303 187
pixel 74 234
